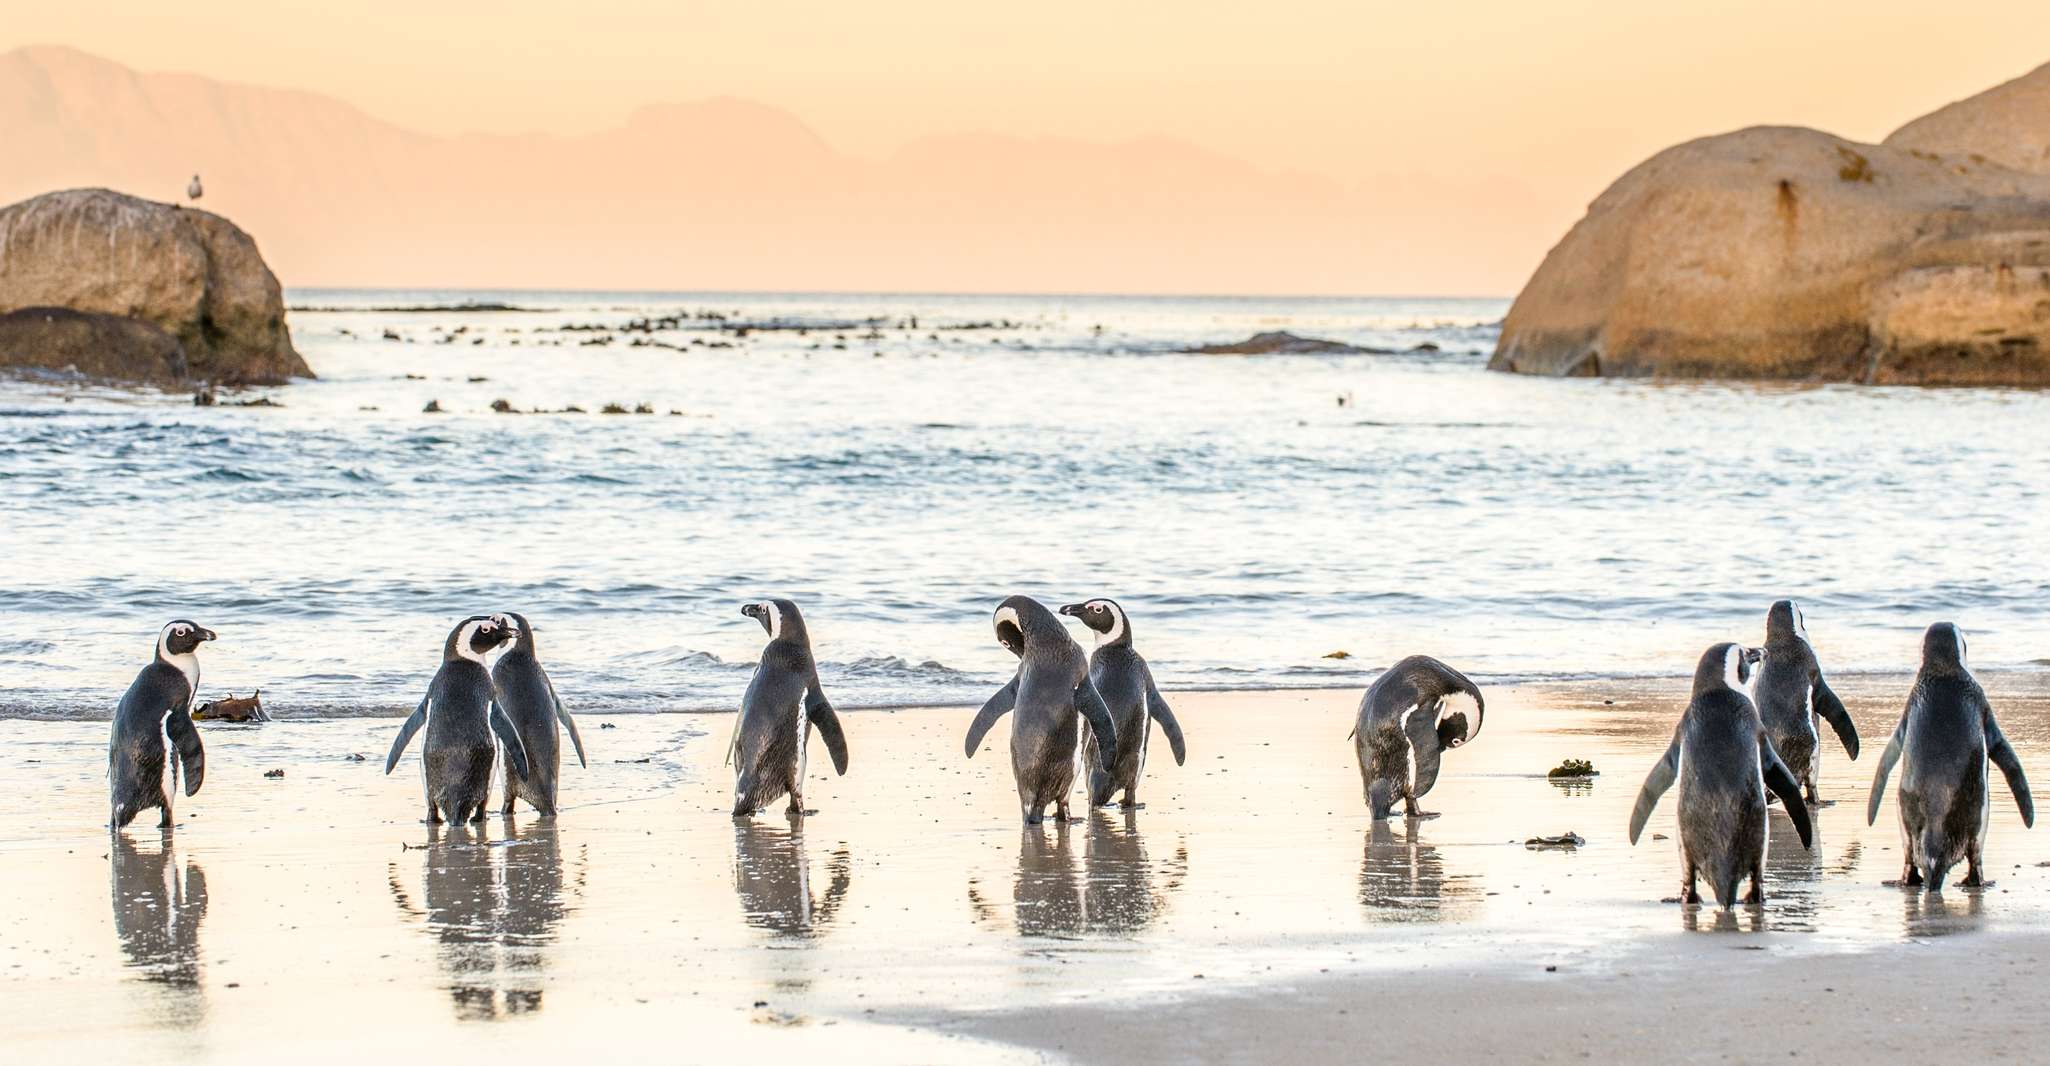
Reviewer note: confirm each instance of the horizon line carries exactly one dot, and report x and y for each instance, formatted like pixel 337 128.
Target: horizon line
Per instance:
pixel 991 293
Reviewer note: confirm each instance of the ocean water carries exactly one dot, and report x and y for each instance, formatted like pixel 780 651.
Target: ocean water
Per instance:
pixel 899 463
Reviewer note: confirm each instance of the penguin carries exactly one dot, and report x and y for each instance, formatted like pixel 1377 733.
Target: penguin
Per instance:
pixel 1050 692
pixel 1791 693
pixel 1724 762
pixel 1126 684
pixel 157 705
pixel 462 714
pixel 783 704
pixel 1411 715
pixel 528 698
pixel 1947 734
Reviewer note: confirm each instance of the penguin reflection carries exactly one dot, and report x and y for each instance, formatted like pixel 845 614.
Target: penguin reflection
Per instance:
pixel 158 905
pixel 1119 896
pixel 1403 879
pixel 1051 897
pixel 493 910
pixel 1940 913
pixel 772 877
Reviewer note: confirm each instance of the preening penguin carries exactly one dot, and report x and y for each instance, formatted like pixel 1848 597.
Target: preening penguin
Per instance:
pixel 1947 735
pixel 1125 683
pixel 527 696
pixel 158 704
pixel 1411 715
pixel 461 715
pixel 1791 693
pixel 1724 762
pixel 783 704
pixel 1052 696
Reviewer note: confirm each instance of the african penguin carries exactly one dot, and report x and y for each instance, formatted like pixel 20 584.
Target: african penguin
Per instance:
pixel 1790 693
pixel 527 696
pixel 1126 684
pixel 1411 715
pixel 462 715
pixel 1724 762
pixel 783 704
pixel 1053 696
pixel 158 704
pixel 1947 735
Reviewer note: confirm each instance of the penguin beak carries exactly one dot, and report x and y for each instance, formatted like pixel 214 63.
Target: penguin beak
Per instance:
pixel 753 611
pixel 1073 610
pixel 206 634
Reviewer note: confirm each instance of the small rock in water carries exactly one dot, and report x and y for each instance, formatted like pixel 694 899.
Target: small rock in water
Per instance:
pixel 503 407
pixel 1567 840
pixel 356 756
pixel 1573 768
pixel 203 398
pixel 479 381
pixel 273 773
pixel 1338 655
pixel 433 408
pixel 607 725
pixel 612 409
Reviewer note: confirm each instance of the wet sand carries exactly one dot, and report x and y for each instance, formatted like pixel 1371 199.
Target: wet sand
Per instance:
pixel 1249 912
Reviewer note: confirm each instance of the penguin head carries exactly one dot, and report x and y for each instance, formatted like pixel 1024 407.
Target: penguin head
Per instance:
pixel 1943 649
pixel 1728 665
pixel 779 617
pixel 522 630
pixel 1784 622
pixel 181 637
pixel 1103 617
pixel 1020 618
pixel 477 636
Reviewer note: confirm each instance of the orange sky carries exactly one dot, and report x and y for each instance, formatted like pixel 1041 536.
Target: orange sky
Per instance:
pixel 1550 100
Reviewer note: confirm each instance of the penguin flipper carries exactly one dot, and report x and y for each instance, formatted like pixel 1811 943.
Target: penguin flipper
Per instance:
pixel 1832 711
pixel 413 723
pixel 2002 754
pixel 562 715
pixel 1781 781
pixel 1656 783
pixel 997 706
pixel 192 754
pixel 1887 758
pixel 820 712
pixel 509 738
pixel 1090 704
pixel 1162 713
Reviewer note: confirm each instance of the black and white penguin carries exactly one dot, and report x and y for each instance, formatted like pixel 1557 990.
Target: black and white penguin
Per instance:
pixel 783 704
pixel 1053 697
pixel 462 715
pixel 1124 681
pixel 1724 762
pixel 1411 715
pixel 1791 693
pixel 527 696
pixel 1947 734
pixel 157 705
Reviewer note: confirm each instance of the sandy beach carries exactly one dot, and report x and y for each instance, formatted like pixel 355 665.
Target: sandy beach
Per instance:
pixel 1247 913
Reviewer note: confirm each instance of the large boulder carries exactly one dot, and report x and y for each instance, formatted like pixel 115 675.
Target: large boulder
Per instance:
pixel 91 344
pixel 1783 253
pixel 191 274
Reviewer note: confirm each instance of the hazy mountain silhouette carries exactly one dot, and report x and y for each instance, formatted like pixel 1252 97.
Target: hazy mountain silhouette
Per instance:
pixel 721 193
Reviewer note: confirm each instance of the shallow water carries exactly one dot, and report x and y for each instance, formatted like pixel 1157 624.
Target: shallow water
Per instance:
pixel 913 890
pixel 901 486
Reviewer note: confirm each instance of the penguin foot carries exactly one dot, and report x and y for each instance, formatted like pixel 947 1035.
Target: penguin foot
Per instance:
pixel 1420 816
pixel 1131 806
pixel 1691 897
pixel 1755 897
pixel 1973 880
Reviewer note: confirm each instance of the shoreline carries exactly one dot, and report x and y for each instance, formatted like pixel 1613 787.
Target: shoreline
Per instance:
pixel 915 915
pixel 2026 678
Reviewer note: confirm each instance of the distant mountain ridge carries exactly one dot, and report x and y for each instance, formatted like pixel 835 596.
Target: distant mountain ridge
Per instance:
pixel 720 193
